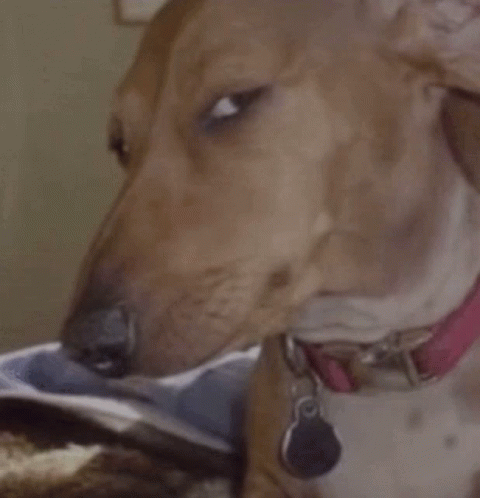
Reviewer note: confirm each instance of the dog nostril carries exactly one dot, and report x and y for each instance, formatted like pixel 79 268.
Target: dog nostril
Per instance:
pixel 103 341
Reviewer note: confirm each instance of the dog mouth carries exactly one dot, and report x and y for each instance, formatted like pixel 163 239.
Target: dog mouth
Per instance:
pixel 105 340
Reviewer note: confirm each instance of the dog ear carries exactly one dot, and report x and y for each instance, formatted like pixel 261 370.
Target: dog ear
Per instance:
pixel 379 11
pixel 441 39
pixel 461 124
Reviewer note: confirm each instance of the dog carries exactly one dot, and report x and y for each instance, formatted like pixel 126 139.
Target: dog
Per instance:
pixel 305 168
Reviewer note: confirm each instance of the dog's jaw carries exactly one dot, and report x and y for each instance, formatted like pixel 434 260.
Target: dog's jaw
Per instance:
pixel 450 275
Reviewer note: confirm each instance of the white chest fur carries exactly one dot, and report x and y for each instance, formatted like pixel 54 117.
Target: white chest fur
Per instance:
pixel 422 443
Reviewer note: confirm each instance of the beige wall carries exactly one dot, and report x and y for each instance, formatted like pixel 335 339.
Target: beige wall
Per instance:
pixel 59 60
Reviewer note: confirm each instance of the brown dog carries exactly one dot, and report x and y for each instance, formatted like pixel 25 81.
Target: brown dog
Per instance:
pixel 297 166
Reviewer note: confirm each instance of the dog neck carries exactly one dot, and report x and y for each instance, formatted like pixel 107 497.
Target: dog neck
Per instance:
pixel 419 355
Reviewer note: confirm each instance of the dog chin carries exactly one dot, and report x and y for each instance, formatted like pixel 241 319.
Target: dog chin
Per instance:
pixel 355 320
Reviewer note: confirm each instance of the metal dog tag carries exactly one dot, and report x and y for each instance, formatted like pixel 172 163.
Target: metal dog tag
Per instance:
pixel 310 447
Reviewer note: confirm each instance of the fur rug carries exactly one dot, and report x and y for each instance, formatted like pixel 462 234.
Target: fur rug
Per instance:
pixel 42 456
pixel 77 471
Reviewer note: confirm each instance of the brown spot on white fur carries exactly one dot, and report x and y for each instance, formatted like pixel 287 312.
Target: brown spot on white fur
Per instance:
pixel 415 419
pixel 450 441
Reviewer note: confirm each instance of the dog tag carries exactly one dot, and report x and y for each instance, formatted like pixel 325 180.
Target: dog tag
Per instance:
pixel 310 447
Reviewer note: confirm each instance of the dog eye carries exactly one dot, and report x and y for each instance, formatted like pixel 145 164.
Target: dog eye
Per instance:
pixel 225 108
pixel 117 142
pixel 121 149
pixel 231 106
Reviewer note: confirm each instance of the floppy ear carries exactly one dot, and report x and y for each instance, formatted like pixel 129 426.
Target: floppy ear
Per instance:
pixel 441 38
pixel 461 124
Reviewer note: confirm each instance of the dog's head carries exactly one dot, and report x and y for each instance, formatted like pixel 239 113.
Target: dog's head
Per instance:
pixel 278 154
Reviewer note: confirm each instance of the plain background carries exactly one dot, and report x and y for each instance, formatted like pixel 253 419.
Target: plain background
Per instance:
pixel 59 61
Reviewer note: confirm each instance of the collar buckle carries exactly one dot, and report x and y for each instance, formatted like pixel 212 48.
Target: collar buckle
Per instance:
pixel 396 352
pixel 295 357
pixel 386 364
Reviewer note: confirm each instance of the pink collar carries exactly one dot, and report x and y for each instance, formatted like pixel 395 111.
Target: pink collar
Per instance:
pixel 450 339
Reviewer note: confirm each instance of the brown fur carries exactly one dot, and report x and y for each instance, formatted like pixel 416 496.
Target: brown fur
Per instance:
pixel 205 219
pixel 333 183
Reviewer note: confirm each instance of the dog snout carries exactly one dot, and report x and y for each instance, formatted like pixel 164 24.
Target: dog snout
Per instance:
pixel 103 340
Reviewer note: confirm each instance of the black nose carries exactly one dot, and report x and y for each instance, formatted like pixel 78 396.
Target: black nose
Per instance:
pixel 102 340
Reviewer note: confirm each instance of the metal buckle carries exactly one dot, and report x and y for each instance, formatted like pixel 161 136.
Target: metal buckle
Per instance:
pixel 295 357
pixel 298 364
pixel 400 346
pixel 396 349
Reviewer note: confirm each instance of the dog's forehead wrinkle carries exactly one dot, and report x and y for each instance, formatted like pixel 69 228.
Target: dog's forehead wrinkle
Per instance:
pixel 232 63
pixel 249 27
